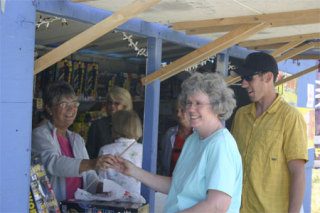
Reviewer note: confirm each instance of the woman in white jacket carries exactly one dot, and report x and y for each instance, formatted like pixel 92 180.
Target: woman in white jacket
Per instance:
pixel 62 151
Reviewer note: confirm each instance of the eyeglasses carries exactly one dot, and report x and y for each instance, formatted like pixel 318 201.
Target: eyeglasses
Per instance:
pixel 65 104
pixel 249 77
pixel 116 103
pixel 196 104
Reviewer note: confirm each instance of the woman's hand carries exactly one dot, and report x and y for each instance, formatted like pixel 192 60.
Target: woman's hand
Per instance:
pixel 121 165
pixel 101 163
pixel 156 182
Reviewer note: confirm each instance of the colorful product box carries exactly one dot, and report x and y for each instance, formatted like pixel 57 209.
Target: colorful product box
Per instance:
pixel 91 80
pixel 77 77
pixel 64 71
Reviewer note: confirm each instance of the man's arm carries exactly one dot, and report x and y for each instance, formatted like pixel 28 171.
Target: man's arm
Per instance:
pixel 297 184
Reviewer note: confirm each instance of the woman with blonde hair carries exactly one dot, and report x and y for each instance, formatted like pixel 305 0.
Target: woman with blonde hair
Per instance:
pixel 126 131
pixel 99 133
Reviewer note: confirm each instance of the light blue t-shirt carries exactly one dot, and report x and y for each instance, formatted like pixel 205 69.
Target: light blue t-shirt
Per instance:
pixel 212 163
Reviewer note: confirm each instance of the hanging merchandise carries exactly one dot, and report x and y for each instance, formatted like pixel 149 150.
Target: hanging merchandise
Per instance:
pixel 64 71
pixel 102 85
pixel 91 81
pixel 77 79
pixel 111 79
pixel 42 198
pixel 127 81
pixel 119 81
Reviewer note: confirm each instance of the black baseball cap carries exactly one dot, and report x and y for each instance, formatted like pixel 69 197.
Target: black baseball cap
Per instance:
pixel 259 62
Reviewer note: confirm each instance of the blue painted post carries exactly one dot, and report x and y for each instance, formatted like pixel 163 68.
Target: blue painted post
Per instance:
pixel 151 116
pixel 222 61
pixel 308 170
pixel 17 25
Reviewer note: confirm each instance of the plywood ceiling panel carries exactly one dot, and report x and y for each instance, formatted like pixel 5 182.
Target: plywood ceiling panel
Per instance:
pixel 171 11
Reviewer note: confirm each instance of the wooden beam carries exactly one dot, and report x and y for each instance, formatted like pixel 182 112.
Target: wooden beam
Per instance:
pixel 205 52
pixel 267 47
pixel 289 54
pixel 311 69
pixel 286 47
pixel 295 51
pixel 275 19
pixel 307 57
pixel 268 41
pixel 206 30
pixel 231 79
pixel 93 33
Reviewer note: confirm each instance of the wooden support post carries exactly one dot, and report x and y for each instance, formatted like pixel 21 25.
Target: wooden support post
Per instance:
pixel 151 118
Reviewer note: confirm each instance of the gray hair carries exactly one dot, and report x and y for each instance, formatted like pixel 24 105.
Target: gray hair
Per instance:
pixel 54 93
pixel 212 84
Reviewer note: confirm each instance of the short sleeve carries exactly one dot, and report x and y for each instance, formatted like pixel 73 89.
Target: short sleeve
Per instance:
pixel 295 137
pixel 221 171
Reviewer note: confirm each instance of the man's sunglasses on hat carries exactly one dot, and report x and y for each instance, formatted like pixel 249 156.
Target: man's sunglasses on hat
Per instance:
pixel 249 77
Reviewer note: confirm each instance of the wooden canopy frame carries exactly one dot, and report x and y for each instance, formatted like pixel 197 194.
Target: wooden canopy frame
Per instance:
pixel 240 29
pixel 278 40
pixel 299 17
pixel 287 47
pixel 93 33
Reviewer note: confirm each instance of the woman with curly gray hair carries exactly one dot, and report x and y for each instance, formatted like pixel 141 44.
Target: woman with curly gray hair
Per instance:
pixel 208 174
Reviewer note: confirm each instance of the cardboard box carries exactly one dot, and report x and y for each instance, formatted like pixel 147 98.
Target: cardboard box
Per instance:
pixel 75 206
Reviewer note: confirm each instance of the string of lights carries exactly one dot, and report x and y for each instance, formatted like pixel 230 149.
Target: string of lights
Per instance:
pixel 46 21
pixel 134 45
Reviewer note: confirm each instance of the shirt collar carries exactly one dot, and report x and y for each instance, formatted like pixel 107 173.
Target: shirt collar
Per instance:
pixel 272 109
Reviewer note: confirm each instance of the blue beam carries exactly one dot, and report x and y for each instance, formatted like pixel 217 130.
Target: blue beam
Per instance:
pixel 151 117
pixel 85 13
pixel 308 171
pixel 17 25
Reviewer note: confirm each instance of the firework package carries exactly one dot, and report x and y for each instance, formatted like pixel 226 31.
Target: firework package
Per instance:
pixel 42 198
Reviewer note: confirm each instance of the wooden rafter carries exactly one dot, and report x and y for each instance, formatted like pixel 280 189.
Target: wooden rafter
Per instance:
pixel 93 33
pixel 205 52
pixel 231 79
pixel 277 40
pixel 311 69
pixel 268 47
pixel 307 57
pixel 286 47
pixel 226 24
pixel 296 51
pixel 289 54
pixel 206 30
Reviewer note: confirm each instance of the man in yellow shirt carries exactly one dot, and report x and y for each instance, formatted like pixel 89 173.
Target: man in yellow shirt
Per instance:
pixel 272 139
